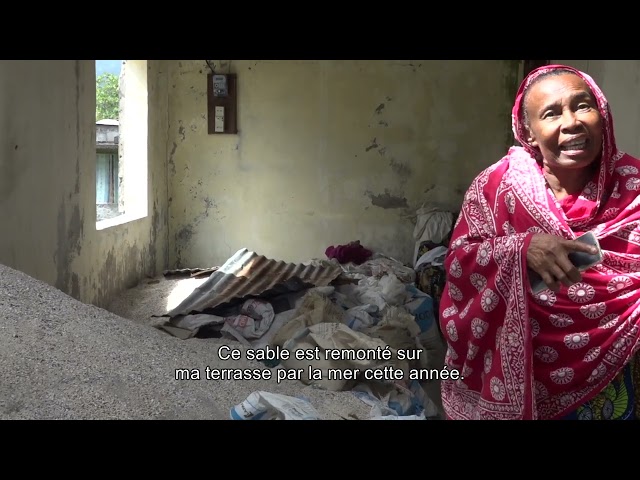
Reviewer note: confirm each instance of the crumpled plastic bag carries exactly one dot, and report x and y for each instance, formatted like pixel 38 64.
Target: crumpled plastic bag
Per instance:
pixel 379 265
pixel 256 316
pixel 263 405
pixel 383 291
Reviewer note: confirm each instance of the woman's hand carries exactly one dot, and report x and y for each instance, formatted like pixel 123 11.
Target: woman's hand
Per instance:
pixel 548 256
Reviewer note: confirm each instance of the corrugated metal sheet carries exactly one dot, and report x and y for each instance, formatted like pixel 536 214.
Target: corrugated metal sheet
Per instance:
pixel 248 275
pixel 192 272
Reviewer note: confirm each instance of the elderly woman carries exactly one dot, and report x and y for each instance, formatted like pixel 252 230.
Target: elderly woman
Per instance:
pixel 567 351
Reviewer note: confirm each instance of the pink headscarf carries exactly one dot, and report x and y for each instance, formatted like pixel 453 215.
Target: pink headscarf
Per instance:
pixel 609 148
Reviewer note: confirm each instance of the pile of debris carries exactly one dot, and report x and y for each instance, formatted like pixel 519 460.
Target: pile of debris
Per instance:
pixel 357 320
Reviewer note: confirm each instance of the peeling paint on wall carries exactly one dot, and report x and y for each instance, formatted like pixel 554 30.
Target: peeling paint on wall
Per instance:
pixel 186 233
pixel 403 170
pixel 172 164
pixel 151 261
pixel 373 145
pixel 69 245
pixel 303 128
pixel 386 200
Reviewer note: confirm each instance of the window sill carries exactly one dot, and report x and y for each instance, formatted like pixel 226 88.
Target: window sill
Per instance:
pixel 119 220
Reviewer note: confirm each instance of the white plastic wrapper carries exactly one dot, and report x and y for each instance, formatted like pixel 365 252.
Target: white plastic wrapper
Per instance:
pixel 262 405
pixel 256 316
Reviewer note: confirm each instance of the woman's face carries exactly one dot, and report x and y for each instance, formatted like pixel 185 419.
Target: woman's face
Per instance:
pixel 564 121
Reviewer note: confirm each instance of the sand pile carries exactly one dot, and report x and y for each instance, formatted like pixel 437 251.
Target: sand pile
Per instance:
pixel 62 359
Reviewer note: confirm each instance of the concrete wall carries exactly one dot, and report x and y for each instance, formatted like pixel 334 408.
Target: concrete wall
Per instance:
pixel 620 82
pixel 47 182
pixel 328 152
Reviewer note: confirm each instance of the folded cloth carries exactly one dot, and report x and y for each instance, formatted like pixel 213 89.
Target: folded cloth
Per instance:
pixel 350 253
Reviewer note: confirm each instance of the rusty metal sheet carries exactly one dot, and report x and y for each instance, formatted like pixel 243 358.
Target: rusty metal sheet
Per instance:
pixel 191 272
pixel 248 275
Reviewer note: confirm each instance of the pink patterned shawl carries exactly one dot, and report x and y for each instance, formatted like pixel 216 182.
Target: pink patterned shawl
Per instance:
pixel 525 356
